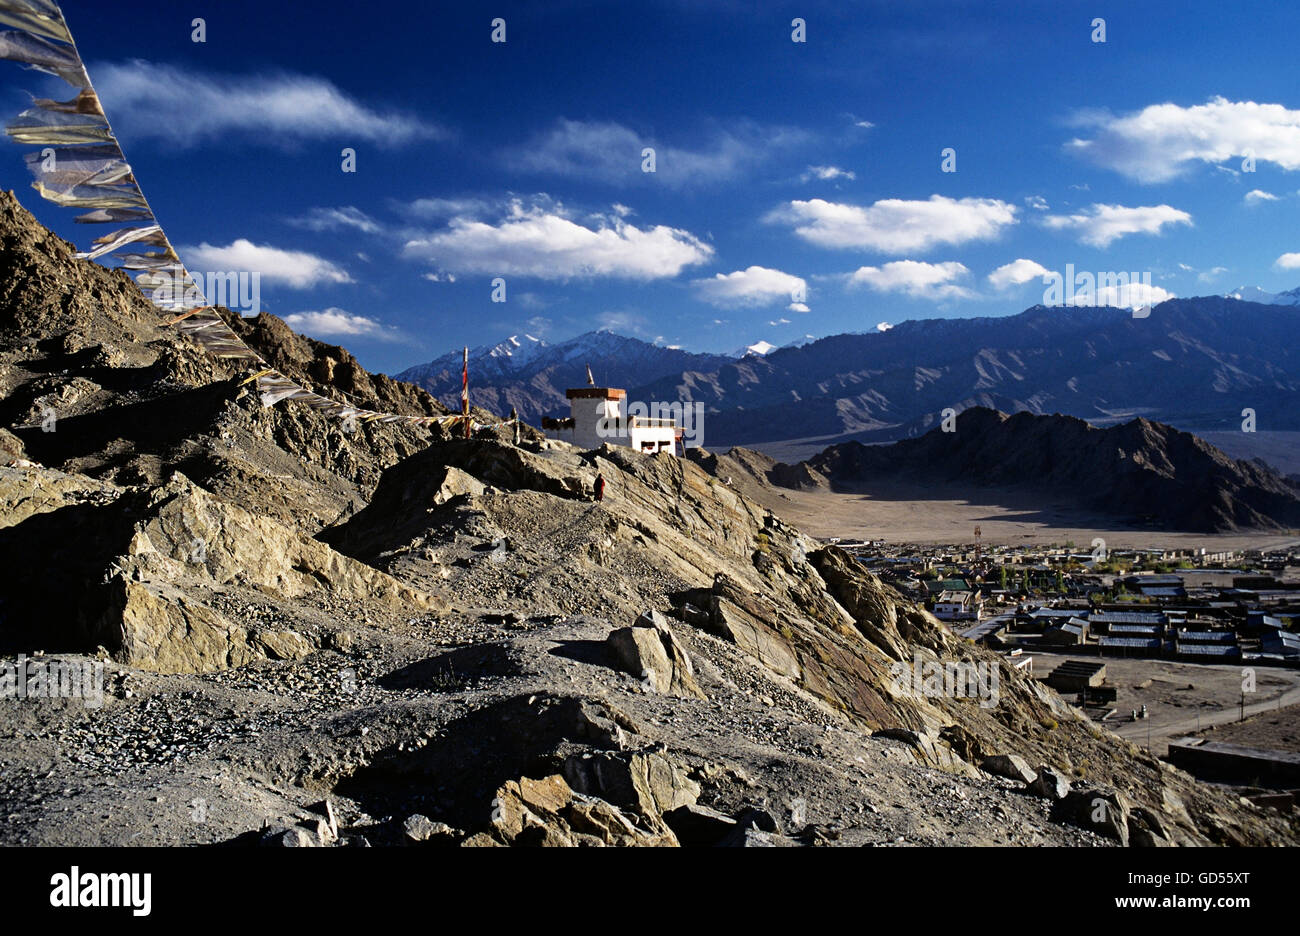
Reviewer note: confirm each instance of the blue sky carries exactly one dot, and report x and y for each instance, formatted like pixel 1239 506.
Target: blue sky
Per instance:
pixel 798 186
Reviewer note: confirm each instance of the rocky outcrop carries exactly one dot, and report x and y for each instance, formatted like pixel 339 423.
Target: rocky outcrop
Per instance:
pixel 158 574
pixel 649 651
pixel 1011 766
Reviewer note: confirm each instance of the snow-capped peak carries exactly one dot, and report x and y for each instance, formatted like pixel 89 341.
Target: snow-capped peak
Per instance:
pixel 515 349
pixel 1255 294
pixel 758 348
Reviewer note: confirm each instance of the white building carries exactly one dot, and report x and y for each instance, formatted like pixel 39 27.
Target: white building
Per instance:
pixel 599 414
pixel 958 606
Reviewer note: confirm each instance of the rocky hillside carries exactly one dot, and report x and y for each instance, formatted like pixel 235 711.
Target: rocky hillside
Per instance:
pixel 315 637
pixel 1140 472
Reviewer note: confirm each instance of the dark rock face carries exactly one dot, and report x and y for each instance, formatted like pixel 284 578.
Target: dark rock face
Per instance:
pixel 1139 471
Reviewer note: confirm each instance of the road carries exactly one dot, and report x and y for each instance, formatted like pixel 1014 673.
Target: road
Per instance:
pixel 1160 733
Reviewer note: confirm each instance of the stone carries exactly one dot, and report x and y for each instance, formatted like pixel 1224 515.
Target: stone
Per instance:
pixel 603 728
pixel 1049 783
pixel 751 634
pixel 481 840
pixel 1011 766
pixel 758 818
pixel 546 796
pixel 602 820
pixel 295 837
pixel 647 781
pixel 694 824
pixel 1105 812
pixel 649 650
pixel 547 813
pixel 419 828
pixel 752 837
pixel 1146 830
pixel 283 645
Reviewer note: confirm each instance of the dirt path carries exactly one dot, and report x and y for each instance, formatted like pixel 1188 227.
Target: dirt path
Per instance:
pixel 1160 733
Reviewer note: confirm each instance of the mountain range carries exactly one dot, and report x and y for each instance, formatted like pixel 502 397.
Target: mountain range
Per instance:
pixel 1194 363
pixel 530 375
pixel 1140 471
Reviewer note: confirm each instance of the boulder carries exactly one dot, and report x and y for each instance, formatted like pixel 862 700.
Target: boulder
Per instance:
pixel 648 649
pixel 1049 783
pixel 1104 811
pixel 1011 766
pixel 419 828
pixel 699 825
pixel 649 782
pixel 547 813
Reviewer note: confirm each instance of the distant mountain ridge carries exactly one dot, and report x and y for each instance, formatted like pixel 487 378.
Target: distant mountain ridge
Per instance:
pixel 1194 363
pixel 1141 471
pixel 1255 294
pixel 531 375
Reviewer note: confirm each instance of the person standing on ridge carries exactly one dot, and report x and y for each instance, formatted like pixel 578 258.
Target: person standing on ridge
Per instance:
pixel 600 487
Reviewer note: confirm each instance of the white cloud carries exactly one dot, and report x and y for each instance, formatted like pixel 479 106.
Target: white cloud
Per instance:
pixel 777 322
pixel 440 277
pixel 883 326
pixel 294 268
pixel 827 174
pixel 755 286
pixel 336 323
pixel 1102 224
pixel 186 107
pixel 536 241
pixel 1037 202
pixel 895 225
pixel 611 152
pixel 914 278
pixel 624 321
pixel 798 307
pixel 1288 261
pixel 1211 274
pixel 1162 141
pixel 1255 196
pixel 332 219
pixel 1017 272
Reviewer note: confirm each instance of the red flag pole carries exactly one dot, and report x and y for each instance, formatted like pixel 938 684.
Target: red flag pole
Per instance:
pixel 464 392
